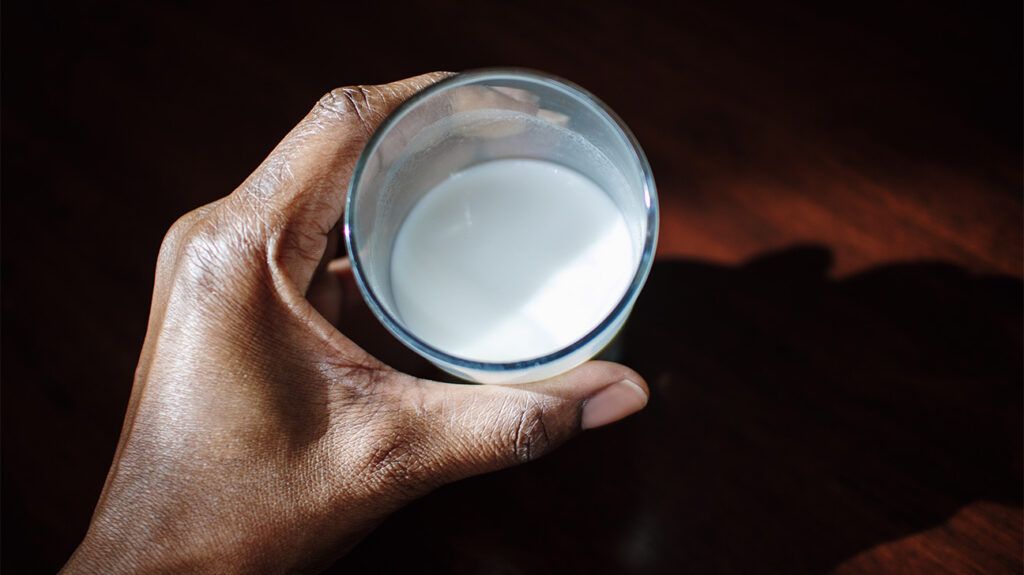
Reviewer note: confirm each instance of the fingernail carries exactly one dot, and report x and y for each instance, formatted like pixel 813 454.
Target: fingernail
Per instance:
pixel 613 403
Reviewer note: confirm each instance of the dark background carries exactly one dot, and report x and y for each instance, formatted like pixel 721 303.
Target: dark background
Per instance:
pixel 832 331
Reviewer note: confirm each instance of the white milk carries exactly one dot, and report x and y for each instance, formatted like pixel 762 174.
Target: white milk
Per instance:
pixel 510 260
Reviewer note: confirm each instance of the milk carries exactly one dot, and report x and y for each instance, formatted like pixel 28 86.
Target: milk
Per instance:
pixel 510 260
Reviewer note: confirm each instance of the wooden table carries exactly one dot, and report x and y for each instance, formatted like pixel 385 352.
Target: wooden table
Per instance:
pixel 832 331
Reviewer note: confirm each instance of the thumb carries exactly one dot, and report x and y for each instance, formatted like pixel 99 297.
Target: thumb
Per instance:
pixel 482 428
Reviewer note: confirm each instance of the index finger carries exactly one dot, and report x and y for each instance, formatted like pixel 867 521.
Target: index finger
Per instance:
pixel 298 192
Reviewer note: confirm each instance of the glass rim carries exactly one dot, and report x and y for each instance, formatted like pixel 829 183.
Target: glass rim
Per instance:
pixel 643 268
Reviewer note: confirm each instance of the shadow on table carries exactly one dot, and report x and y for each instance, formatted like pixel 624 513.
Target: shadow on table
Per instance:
pixel 795 421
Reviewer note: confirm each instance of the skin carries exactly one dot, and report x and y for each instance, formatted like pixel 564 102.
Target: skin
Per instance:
pixel 258 438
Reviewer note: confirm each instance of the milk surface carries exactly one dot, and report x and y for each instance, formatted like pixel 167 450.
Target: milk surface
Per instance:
pixel 510 260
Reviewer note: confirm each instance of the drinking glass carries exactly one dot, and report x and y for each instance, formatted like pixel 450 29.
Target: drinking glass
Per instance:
pixel 476 117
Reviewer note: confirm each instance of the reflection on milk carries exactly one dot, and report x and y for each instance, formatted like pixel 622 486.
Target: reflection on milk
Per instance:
pixel 510 260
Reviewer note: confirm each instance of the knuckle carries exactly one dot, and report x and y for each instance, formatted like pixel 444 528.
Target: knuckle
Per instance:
pixel 530 438
pixel 351 103
pixel 204 251
pixel 200 255
pixel 179 230
pixel 180 233
pixel 391 459
pixel 395 464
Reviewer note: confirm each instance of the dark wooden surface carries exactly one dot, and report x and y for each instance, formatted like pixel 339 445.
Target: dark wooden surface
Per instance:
pixel 832 331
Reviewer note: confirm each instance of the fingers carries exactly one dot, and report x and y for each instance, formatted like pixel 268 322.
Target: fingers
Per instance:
pixel 475 429
pixel 299 190
pixel 341 267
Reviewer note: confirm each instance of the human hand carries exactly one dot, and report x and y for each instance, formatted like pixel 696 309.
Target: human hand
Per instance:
pixel 257 436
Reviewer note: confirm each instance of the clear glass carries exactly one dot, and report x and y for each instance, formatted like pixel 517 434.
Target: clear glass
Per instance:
pixel 475 117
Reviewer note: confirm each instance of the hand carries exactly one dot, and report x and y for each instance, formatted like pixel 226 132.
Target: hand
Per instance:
pixel 257 436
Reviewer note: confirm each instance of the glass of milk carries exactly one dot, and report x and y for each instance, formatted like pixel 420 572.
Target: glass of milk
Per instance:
pixel 501 223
